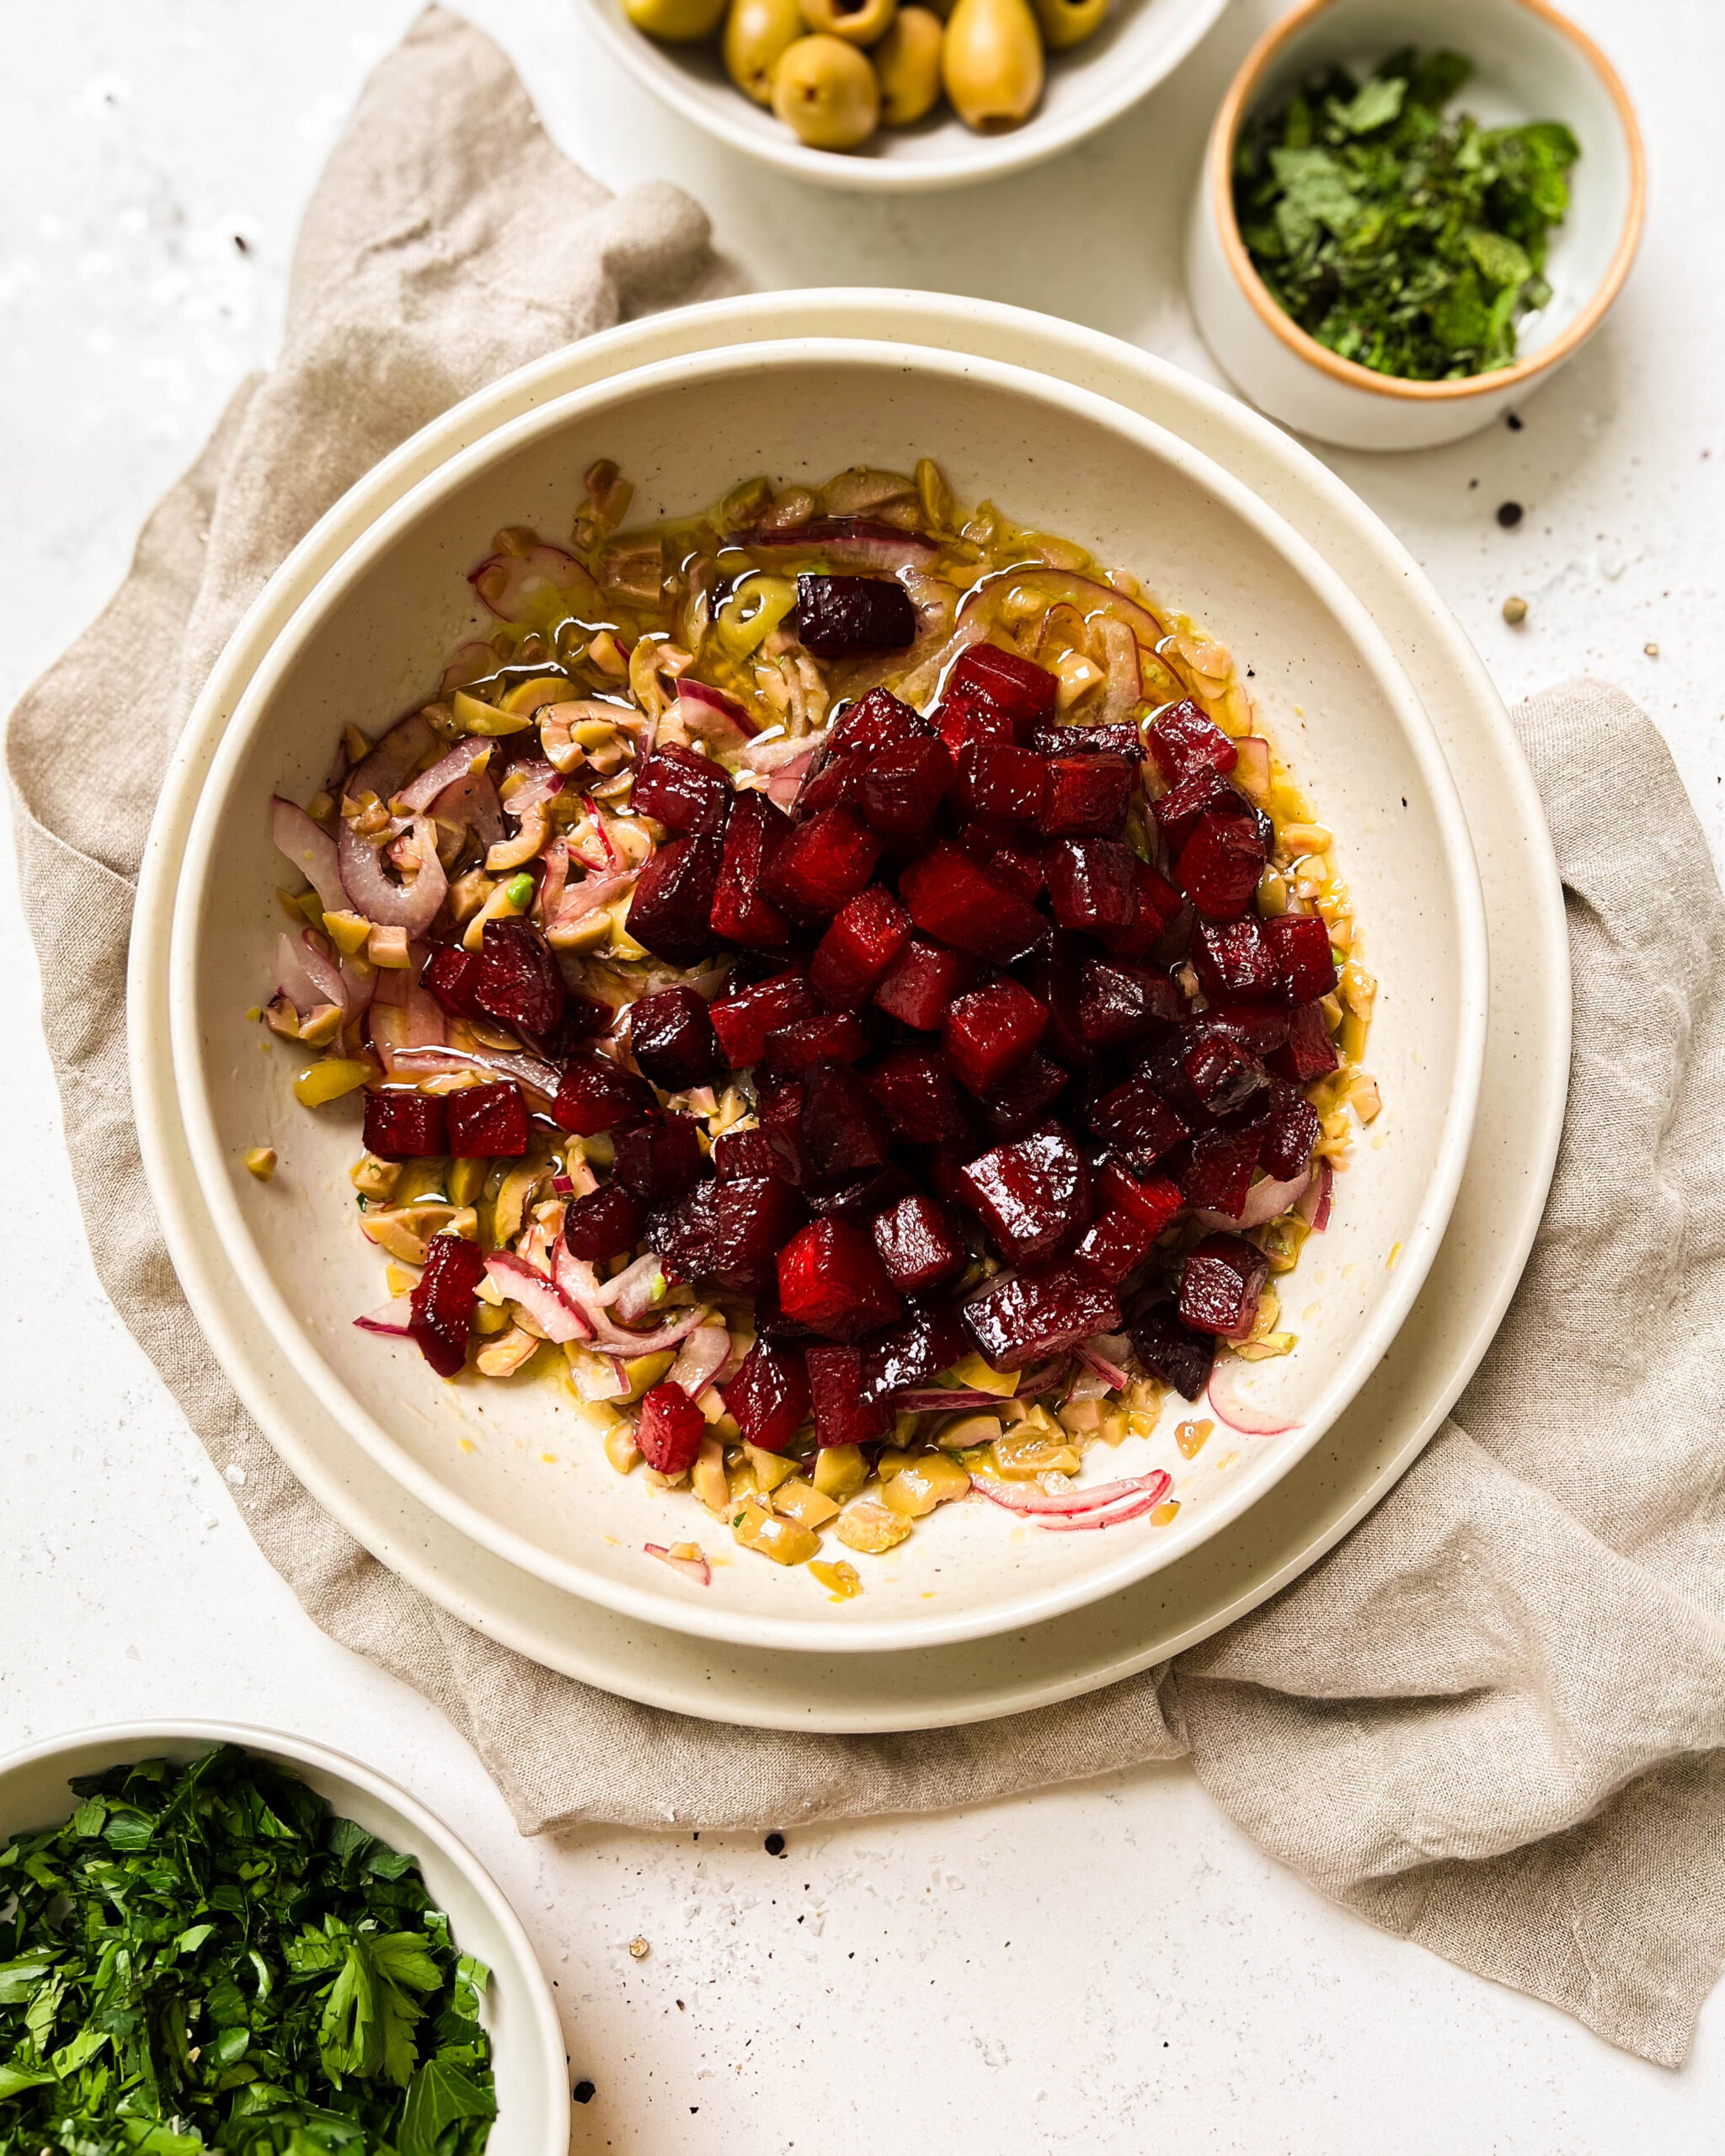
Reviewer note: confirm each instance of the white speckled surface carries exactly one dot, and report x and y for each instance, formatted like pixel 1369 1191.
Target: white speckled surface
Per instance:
pixel 1111 1966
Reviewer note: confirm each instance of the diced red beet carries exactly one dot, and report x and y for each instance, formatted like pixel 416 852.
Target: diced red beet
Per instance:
pixel 595 1097
pixel 863 938
pixel 604 1224
pixel 989 1033
pixel 406 1126
pixel 914 1090
pixel 831 781
pixel 1025 1317
pixel 1120 1002
pixel 1291 1130
pixel 903 784
pixel 876 722
pixel 1299 944
pixel 1118 738
pixel 954 899
pixel 670 1429
pixel 1138 1122
pixel 440 1313
pixel 1222 1166
pixel 1309 1053
pixel 1220 864
pixel 671 911
pixel 1025 692
pixel 834 1037
pixel 996 778
pixel 911 1353
pixel 658 1158
pixel 847 1412
pixel 685 791
pixel 746 1153
pixel 781 1106
pixel 1058 979
pixel 519 982
pixel 740 914
pixel 830 1278
pixel 488 1122
pixel 1169 1351
pixel 1020 1101
pixel 768 1398
pixel 1222 1074
pixel 1113 1245
pixel 1160 906
pixel 1032 1197
pixel 820 864
pixel 1092 885
pixel 673 1040
pixel 1219 1286
pixel 1237 959
pixel 453 975
pixel 839 614
pixel 1183 741
pixel 1022 866
pixel 859 1197
pixel 1153 1200
pixel 742 1022
pixel 1163 1063
pixel 920 983
pixel 1087 797
pixel 960 718
pixel 726 1234
pixel 1259 1027
pixel 840 1130
pixel 1177 811
pixel 919 1244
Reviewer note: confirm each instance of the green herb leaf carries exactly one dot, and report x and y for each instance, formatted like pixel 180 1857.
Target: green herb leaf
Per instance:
pixel 1379 102
pixel 440 2096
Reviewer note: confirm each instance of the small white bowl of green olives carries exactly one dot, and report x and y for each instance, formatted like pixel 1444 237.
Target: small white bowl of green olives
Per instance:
pixel 901 96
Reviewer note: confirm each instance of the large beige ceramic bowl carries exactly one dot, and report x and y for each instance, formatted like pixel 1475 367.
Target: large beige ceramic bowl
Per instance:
pixel 512 1465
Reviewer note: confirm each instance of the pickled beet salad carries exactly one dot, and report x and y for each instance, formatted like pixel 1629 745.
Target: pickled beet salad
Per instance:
pixel 843 983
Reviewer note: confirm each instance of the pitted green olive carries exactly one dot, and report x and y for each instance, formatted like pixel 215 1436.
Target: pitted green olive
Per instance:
pixel 1067 22
pixel 907 61
pixel 756 34
pixel 827 91
pixel 678 22
pixel 991 62
pixel 857 22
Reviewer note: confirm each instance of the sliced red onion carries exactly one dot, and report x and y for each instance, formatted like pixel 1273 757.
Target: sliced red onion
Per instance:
pixel 1111 1375
pixel 1315 1205
pixel 311 851
pixel 472 800
pixel 326 974
pixel 922 682
pixel 1158 1486
pixel 932 1400
pixel 1122 691
pixel 847 542
pixel 637 1291
pixel 1266 1200
pixel 417 797
pixel 599 1377
pixel 412 906
pixel 581 1285
pixel 556 1316
pixel 703 1356
pixel 468 662
pixel 696 1568
pixel 531 1071
pixel 585 898
pixel 1250 1422
pixel 510 584
pixel 770 754
pixel 1089 1384
pixel 554 876
pixel 532 781
pixel 292 978
pixel 1068 1502
pixel 787 781
pixel 386 771
pixel 711 710
pixel 359 979
pixel 390 1319
pixel 1044 1379
pixel 855 492
pixel 1252 767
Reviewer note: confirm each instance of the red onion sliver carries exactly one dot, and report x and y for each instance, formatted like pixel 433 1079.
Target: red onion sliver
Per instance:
pixel 1315 1205
pixel 390 1319
pixel 556 1316
pixel 1159 1487
pixel 703 1357
pixel 1016 1500
pixel 1251 1422
pixel 385 770
pixel 1251 766
pixel 1117 1379
pixel 770 755
pixel 310 849
pixel 1264 1201
pixel 529 1071
pixel 845 542
pixel 412 906
pixel 697 1568
pixel 579 1282
pixel 292 978
pixel 509 584
pixel 417 797
pixel 707 707
pixel 472 800
pixel 923 1400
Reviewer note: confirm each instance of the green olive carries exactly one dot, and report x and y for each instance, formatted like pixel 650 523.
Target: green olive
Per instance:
pixel 907 61
pixel 991 62
pixel 857 22
pixel 756 33
pixel 827 92
pixel 678 22
pixel 1067 22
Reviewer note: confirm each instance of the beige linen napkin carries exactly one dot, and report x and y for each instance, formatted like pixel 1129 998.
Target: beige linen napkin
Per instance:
pixel 1493 1720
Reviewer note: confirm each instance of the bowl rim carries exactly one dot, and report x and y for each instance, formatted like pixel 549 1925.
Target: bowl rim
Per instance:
pixel 140 1738
pixel 1219 159
pixel 993 157
pixel 650 1604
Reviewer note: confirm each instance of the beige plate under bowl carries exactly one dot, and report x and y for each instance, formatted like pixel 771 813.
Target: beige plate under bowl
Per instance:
pixel 1452 1322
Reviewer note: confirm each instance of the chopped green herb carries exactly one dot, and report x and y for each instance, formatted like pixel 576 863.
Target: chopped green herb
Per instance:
pixel 204 1956
pixel 1407 240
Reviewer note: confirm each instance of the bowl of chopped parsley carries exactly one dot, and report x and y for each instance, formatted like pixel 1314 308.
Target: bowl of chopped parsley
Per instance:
pixel 222 1937
pixel 1392 243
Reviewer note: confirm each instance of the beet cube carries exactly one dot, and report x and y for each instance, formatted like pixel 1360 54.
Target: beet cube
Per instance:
pixel 840 1130
pixel 1111 1245
pixel 1261 1028
pixel 1238 959
pixel 1220 864
pixel 406 1126
pixel 1087 797
pixel 1219 1286
pixel 914 1089
pixel 1169 1351
pixel 453 975
pixel 1160 906
pixel 875 723
pixel 831 781
pixel 658 1158
pixel 673 1040
pixel 1291 1129
pixel 903 784
pixel 1120 1002
pixel 1090 883
pixel 440 1314
pixel 742 1022
pixel 1309 1053
pixel 920 983
pixel 1020 1101
pixel 954 899
pixel 740 914
pixel 997 779
pixel 911 1353
pixel 1177 811
pixel 685 791
pixel 838 614
pixel 863 939
pixel 488 1122
pixel 1058 979
pixel 1025 1317
pixel 1032 1197
pixel 782 1119
pixel 1138 1122
pixel 960 718
pixel 834 1037
pixel 1118 738
pixel 1163 1063
pixel 768 1398
pixel 595 1097
pixel 1221 1171
pixel 670 1429
pixel 919 1244
pixel 989 1033
pixel 1183 740
pixel 604 1224
pixel 727 1234
pixel 1021 866
pixel 671 911
pixel 847 1412
pixel 1154 1200
pixel 830 1278
pixel 519 982
pixel 746 1153
pixel 820 864
pixel 1300 945
pixel 1222 1074
pixel 1025 692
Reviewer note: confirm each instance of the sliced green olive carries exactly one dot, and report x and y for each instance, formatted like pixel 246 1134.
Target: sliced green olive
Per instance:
pixel 756 34
pixel 1067 22
pixel 827 91
pixel 907 61
pixel 678 22
pixel 991 62
pixel 857 22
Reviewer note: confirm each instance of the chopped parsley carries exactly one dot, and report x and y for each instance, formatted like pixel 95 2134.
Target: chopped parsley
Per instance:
pixel 1410 241
pixel 205 1956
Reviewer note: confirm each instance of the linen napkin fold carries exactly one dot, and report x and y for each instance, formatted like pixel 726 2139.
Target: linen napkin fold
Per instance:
pixel 1493 1719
